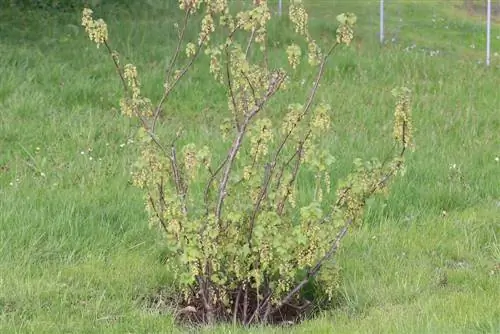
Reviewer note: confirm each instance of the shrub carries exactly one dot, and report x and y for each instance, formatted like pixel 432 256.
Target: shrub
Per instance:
pixel 245 242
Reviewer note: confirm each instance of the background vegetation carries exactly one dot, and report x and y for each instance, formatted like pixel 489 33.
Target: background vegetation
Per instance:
pixel 76 254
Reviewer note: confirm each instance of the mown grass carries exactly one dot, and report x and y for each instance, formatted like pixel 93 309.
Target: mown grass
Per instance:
pixel 76 254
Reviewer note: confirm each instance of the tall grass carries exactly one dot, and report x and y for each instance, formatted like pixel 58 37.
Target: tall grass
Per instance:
pixel 76 254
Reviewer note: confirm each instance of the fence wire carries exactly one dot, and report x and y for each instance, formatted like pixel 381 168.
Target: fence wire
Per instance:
pixel 434 27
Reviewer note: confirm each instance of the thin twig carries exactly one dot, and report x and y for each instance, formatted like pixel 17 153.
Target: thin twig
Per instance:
pixel 256 313
pixel 230 159
pixel 117 66
pixel 230 86
pixel 170 67
pixel 274 85
pixel 245 304
pixel 279 176
pixel 250 85
pixel 236 306
pixel 318 78
pixel 179 183
pixel 300 152
pixel 204 296
pixel 170 87
pixel 211 180
pixel 268 305
pixel 162 222
pixel 250 40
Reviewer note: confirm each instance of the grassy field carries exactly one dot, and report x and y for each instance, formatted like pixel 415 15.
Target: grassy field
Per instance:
pixel 76 253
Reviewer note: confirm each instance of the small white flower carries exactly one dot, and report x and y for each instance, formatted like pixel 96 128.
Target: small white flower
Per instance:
pixel 90 158
pixel 82 152
pixel 122 145
pixel 497 159
pixel 42 174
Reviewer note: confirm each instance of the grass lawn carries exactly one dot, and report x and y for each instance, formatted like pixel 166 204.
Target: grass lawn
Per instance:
pixel 76 253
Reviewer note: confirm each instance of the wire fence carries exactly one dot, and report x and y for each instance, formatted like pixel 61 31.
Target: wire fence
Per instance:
pixel 433 27
pixel 488 27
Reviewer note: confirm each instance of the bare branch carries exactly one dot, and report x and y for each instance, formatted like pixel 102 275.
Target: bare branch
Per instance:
pixel 117 66
pixel 171 86
pixel 230 86
pixel 160 219
pixel 180 39
pixel 276 81
pixel 299 154
pixel 205 297
pixel 211 180
pixel 179 183
pixel 258 309
pixel 318 78
pixel 250 85
pixel 170 69
pixel 249 44
pixel 236 305
pixel 245 304
pixel 282 169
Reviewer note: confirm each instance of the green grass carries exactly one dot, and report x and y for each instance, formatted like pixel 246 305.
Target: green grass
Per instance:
pixel 76 254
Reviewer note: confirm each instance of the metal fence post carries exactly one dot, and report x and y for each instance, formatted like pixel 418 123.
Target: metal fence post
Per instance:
pixel 488 32
pixel 381 21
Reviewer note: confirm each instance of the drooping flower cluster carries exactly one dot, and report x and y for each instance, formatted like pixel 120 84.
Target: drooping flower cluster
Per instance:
pixel 293 51
pixel 207 28
pixel 97 30
pixel 190 5
pixel 134 105
pixel 345 33
pixel 299 17
pixel 403 132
